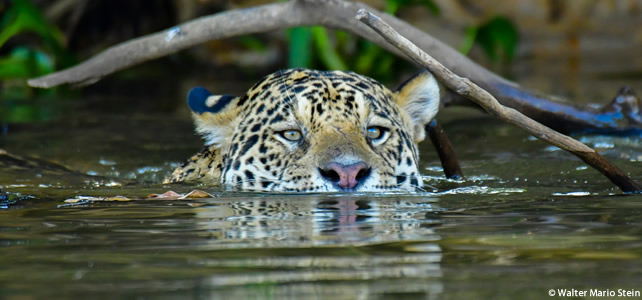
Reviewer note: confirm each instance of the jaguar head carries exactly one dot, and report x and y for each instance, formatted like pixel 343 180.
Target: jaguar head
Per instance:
pixel 312 131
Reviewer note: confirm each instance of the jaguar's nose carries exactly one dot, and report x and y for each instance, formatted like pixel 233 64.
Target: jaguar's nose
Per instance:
pixel 346 177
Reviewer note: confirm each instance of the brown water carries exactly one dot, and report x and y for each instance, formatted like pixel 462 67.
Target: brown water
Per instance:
pixel 528 218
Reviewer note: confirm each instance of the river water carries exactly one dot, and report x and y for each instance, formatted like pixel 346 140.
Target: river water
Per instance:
pixel 528 218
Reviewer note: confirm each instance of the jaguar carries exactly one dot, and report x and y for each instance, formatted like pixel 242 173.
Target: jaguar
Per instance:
pixel 302 130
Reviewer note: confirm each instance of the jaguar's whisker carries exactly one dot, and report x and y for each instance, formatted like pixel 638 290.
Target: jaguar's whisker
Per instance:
pixel 287 94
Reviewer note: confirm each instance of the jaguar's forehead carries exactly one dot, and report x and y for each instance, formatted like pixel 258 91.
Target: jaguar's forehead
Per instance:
pixel 309 84
pixel 332 94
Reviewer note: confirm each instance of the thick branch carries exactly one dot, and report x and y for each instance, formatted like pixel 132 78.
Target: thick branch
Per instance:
pixel 335 14
pixel 219 26
pixel 331 13
pixel 465 87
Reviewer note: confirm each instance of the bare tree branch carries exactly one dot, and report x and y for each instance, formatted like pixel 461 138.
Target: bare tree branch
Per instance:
pixel 232 23
pixel 465 87
pixel 330 13
pixel 340 15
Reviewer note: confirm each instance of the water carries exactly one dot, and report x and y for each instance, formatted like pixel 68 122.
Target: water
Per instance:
pixel 528 218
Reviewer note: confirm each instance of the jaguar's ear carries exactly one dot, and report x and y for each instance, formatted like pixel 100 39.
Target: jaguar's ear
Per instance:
pixel 214 115
pixel 419 98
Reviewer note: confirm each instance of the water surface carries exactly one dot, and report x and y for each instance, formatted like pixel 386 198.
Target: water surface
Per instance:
pixel 528 218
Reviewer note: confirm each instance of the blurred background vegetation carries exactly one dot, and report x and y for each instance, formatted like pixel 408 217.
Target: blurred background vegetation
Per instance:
pixel 509 37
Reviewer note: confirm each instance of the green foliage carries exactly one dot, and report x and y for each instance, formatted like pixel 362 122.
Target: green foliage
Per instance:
pixel 304 40
pixel 311 47
pixel 326 51
pixel 300 54
pixel 392 6
pixel 315 47
pixel 22 62
pixel 498 37
pixel 22 16
pixel 470 36
pixel 253 43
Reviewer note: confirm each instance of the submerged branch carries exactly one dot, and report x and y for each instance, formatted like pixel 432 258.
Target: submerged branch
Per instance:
pixel 465 87
pixel 445 150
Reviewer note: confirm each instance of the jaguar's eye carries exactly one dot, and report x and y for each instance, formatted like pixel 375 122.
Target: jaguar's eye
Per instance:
pixel 291 135
pixel 376 134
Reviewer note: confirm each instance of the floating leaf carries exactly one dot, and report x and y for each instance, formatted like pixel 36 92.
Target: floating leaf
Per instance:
pixel 88 199
pixel 195 194
pixel 171 195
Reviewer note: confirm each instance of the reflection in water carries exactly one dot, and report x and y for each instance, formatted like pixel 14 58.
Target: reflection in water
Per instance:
pixel 240 246
pixel 326 238
pixel 334 219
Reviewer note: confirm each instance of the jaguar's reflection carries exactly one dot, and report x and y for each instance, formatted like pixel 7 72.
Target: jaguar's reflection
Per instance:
pixel 357 239
pixel 321 220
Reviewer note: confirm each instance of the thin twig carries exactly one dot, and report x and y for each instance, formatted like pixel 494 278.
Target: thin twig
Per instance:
pixel 466 88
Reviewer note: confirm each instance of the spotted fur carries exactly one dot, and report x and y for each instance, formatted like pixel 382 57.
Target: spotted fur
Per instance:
pixel 333 111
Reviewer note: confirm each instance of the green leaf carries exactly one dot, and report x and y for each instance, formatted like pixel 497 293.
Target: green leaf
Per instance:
pixel 253 43
pixel 23 16
pixel 469 40
pixel 432 6
pixel 392 6
pixel 343 40
pixel 300 52
pixel 385 64
pixel 327 53
pixel 24 63
pixel 499 38
pixel 364 63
